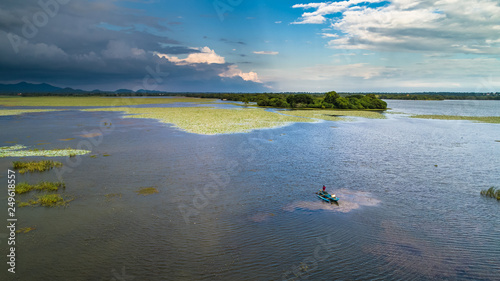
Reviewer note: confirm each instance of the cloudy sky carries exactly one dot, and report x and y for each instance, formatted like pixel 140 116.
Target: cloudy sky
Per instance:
pixel 253 46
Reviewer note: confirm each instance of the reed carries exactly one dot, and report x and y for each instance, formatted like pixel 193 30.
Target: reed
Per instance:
pixel 35 166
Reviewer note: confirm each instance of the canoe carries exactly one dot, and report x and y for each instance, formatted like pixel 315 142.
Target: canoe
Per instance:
pixel 323 195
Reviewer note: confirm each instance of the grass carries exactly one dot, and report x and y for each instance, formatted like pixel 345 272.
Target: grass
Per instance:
pixel 6 112
pixel 483 119
pixel 147 191
pixel 211 121
pixel 335 115
pixel 47 200
pixel 24 187
pixel 491 192
pixel 35 166
pixel 91 101
pixel 22 151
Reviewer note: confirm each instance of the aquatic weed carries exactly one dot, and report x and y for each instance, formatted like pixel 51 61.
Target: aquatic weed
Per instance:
pixel 35 166
pixel 147 191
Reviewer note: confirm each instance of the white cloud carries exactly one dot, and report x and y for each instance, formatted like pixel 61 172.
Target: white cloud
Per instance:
pixel 326 8
pixel 449 26
pixel 233 71
pixel 277 21
pixel 266 53
pixel 329 35
pixel 206 55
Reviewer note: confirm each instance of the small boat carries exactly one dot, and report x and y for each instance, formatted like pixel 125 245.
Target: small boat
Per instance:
pixel 327 197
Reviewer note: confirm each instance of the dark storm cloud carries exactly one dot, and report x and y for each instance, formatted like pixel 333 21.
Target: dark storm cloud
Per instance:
pixel 96 44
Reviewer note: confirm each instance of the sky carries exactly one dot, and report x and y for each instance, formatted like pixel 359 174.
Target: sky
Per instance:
pixel 253 46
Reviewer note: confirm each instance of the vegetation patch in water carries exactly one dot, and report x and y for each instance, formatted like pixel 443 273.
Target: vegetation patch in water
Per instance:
pixel 47 200
pixel 6 112
pixel 90 101
pixel 111 196
pixel 211 121
pixel 483 119
pixel 24 187
pixel 25 229
pixel 491 192
pixel 22 151
pixel 336 115
pixel 35 166
pixel 147 191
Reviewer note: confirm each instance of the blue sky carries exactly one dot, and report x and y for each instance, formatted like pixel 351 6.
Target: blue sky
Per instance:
pixel 253 46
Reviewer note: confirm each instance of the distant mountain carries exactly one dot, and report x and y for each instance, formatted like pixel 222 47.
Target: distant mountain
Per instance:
pixel 44 88
pixel 24 87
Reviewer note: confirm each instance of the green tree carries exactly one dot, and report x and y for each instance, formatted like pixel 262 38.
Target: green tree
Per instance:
pixel 330 97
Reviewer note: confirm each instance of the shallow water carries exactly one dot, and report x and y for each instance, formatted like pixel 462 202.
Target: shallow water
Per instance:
pixel 242 207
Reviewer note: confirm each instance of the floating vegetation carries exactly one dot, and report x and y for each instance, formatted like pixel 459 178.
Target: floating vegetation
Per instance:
pixel 6 112
pixel 68 139
pixel 90 135
pixel 491 192
pixel 497 140
pixel 35 166
pixel 93 156
pixel 483 119
pixel 25 229
pixel 47 200
pixel 211 121
pixel 106 155
pixel 22 151
pixel 24 187
pixel 88 101
pixel 147 191
pixel 111 196
pixel 335 115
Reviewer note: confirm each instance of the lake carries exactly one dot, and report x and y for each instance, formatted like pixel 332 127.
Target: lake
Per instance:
pixel 243 206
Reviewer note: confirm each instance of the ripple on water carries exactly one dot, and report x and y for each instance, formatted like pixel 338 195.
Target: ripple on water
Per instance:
pixel 348 200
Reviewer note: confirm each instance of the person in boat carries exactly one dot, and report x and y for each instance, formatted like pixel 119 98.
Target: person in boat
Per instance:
pixel 324 188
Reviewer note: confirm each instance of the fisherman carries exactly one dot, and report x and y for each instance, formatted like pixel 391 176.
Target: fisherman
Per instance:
pixel 324 188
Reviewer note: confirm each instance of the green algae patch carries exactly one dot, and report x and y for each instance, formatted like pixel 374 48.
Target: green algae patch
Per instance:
pixel 6 112
pixel 147 191
pixel 35 166
pixel 22 151
pixel 211 121
pixel 24 187
pixel 92 101
pixel 68 139
pixel 25 229
pixel 482 119
pixel 335 115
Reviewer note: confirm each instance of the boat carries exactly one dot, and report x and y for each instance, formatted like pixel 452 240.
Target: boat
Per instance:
pixel 327 197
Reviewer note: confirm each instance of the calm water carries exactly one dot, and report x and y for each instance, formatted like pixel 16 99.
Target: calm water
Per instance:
pixel 242 206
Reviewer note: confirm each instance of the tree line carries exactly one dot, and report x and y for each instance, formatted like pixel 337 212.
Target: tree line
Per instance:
pixel 330 100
